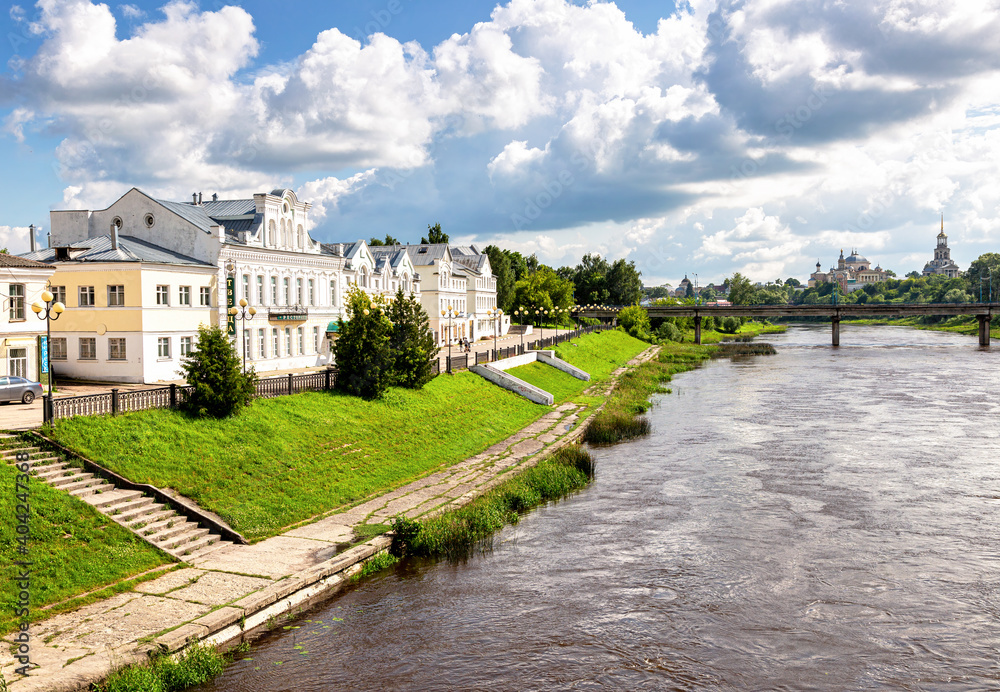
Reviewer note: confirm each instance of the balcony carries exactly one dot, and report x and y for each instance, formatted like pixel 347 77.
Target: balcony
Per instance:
pixel 288 313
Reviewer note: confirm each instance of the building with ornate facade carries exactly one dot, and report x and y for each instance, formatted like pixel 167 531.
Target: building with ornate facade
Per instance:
pixel 851 273
pixel 942 262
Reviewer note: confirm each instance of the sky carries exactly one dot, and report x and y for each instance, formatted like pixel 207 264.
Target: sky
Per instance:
pixel 697 138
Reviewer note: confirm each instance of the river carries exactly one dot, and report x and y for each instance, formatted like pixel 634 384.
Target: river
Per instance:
pixel 822 519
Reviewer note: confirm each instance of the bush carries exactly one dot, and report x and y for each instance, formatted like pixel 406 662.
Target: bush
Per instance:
pixel 669 331
pixel 215 372
pixel 635 320
pixel 729 325
pixel 364 360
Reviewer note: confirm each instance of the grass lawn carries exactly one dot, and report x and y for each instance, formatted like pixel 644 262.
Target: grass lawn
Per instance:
pixel 960 325
pixel 710 336
pixel 284 460
pixel 74 550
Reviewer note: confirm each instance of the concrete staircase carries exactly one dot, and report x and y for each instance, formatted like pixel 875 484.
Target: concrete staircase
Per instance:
pixel 153 521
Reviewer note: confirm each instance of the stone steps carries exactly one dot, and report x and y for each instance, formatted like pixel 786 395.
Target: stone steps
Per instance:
pixel 154 522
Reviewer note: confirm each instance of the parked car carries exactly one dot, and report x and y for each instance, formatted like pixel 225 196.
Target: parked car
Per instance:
pixel 19 389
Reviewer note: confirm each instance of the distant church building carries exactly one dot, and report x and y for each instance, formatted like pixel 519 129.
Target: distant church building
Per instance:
pixel 942 263
pixel 851 273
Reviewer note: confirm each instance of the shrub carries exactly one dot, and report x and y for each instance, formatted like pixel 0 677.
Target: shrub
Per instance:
pixel 215 372
pixel 635 320
pixel 411 343
pixel 668 331
pixel 729 325
pixel 362 350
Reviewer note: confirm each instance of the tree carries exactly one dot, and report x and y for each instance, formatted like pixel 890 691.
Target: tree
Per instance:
pixel 912 275
pixel 389 240
pixel 500 263
pixel 362 350
pixel 411 342
pixel 635 321
pixel 689 293
pixel 707 294
pixel 790 281
pixel 984 271
pixel 741 291
pixel 434 235
pixel 533 263
pixel 624 283
pixel 518 264
pixel 216 374
pixel 542 290
pixel 591 280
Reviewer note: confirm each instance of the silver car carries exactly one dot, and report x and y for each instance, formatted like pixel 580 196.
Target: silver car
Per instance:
pixel 19 389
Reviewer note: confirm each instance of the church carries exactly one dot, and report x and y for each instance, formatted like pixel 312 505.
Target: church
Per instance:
pixel 851 273
pixel 942 262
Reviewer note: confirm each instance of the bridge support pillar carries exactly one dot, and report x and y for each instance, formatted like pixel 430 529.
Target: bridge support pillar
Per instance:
pixel 835 321
pixel 984 330
pixel 697 329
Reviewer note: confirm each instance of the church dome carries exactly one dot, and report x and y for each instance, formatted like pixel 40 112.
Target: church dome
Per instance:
pixel 855 258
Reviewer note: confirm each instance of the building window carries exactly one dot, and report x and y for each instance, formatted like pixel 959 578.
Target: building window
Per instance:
pixel 116 296
pixel 17 301
pixel 246 344
pixel 302 341
pixel 260 290
pixel 364 277
pixel 86 294
pixel 184 297
pixel 186 345
pixel 116 349
pixel 206 296
pixel 287 283
pixel 316 339
pixel 262 343
pixel 58 294
pixel 88 348
pixel 163 295
pixel 298 291
pixel 333 292
pixel 288 341
pixel 312 292
pixel 274 290
pixel 163 347
pixel 246 286
pixel 149 220
pixel 17 361
pixel 274 342
pixel 57 350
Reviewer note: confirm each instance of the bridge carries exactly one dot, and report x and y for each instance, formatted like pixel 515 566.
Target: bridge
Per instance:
pixel 982 311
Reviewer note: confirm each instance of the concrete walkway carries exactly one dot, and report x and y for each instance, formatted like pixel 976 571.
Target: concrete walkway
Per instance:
pixel 223 595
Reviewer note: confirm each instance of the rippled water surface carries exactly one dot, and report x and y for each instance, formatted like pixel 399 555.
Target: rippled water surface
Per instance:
pixel 817 520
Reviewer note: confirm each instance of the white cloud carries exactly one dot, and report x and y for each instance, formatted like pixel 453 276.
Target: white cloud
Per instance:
pixel 131 11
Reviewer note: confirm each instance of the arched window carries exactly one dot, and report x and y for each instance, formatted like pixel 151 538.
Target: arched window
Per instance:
pixel 270 233
pixel 302 237
pixel 364 277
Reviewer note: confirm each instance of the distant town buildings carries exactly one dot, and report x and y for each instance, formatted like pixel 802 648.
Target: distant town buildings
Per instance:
pixel 139 277
pixel 851 273
pixel 942 263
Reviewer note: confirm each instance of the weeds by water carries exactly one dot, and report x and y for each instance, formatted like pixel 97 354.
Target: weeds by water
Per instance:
pixel 197 665
pixel 730 348
pixel 459 534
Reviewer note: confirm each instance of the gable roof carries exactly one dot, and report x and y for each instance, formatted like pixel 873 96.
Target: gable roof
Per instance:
pixel 21 262
pixel 130 249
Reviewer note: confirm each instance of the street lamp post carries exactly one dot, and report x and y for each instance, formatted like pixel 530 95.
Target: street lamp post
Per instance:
pixel 450 313
pixel 497 314
pixel 520 313
pixel 45 312
pixel 242 313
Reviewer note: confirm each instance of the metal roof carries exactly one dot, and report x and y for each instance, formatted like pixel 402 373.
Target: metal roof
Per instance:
pixel 130 249
pixel 192 213
pixel 230 207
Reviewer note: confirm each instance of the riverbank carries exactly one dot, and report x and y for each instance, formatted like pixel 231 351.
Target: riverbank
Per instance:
pixel 956 325
pixel 227 589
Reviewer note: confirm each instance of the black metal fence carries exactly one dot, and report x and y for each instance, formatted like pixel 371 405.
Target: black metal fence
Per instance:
pixel 463 361
pixel 115 402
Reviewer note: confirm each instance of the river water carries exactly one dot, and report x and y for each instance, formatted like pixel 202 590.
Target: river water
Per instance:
pixel 816 520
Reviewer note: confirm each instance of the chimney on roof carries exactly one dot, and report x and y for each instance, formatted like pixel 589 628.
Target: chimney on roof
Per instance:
pixel 215 197
pixel 199 198
pixel 194 198
pixel 31 236
pixel 114 236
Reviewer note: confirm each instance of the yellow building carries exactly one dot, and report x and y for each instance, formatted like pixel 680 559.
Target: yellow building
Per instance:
pixel 132 308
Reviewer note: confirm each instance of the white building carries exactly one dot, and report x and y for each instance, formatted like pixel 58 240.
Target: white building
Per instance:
pixel 942 262
pixel 21 331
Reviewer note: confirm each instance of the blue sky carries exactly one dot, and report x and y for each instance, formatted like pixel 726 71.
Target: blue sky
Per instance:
pixel 708 137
